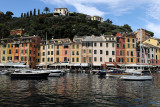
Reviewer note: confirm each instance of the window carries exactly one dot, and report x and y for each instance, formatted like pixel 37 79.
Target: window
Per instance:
pixel 3 58
pixel 43 59
pixel 52 59
pixel 123 45
pixel 112 44
pixel 48 52
pixel 90 51
pixel 77 52
pixel 10 52
pixel 38 54
pixel 57 52
pixel 113 53
pixel 72 52
pixel 95 44
pixel 101 52
pixel 90 59
pixel 22 58
pixel 127 53
pixel 128 45
pixel 95 51
pixel 48 46
pixel 127 59
pixel 95 59
pixel 84 59
pixel 117 45
pixel 65 52
pixel 9 58
pixel 16 50
pixel 77 60
pixel 131 53
pixel 72 46
pixel 3 51
pixel 107 53
pixel 121 53
pixel 84 51
pixel 128 40
pixel 131 59
pixel 51 52
pixel 8 45
pixel 101 44
pixel 133 40
pixel 77 46
pixel 57 47
pixel 16 57
pixel 100 59
pixel 43 53
pixel 30 52
pixel 22 51
pixel 106 44
pixel 12 45
pixel 43 47
pixel 57 60
pixel 48 59
pixel 65 58
pixel 110 59
pixel 133 46
pixel 25 58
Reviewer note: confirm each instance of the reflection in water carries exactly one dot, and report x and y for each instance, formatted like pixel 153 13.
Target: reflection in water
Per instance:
pixel 79 90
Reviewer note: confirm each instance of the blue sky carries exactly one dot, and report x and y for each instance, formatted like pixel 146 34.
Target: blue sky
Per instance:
pixel 137 13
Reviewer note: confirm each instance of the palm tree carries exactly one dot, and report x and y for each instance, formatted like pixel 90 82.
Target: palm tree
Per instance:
pixel 46 9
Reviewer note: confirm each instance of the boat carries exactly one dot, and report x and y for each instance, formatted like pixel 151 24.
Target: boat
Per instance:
pixel 102 72
pixel 138 75
pixel 4 72
pixel 29 74
pixel 116 73
pixel 54 73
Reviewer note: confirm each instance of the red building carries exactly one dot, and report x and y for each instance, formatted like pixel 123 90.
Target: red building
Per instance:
pixel 25 49
pixel 17 32
pixel 120 49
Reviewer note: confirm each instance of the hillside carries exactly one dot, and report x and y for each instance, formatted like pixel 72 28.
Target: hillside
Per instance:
pixel 58 26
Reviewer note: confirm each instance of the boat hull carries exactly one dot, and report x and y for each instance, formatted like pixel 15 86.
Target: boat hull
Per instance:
pixel 136 78
pixel 32 75
pixel 54 74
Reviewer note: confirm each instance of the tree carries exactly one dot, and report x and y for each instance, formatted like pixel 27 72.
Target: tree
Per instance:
pixel 27 14
pixel 21 15
pixel 108 21
pixel 8 15
pixel 46 9
pixel 127 27
pixel 38 11
pixel 30 12
pixel 34 12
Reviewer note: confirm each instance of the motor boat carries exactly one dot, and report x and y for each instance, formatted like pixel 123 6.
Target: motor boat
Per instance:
pixel 116 73
pixel 24 73
pixel 138 75
pixel 54 73
pixel 4 72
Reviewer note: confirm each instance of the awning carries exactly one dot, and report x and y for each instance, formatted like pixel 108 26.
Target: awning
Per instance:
pixel 135 65
pixel 53 65
pixel 96 64
pixel 84 64
pixel 78 64
pixel 70 65
pixel 110 64
pixel 42 64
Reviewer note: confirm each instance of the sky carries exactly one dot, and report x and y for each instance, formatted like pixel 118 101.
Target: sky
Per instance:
pixel 136 13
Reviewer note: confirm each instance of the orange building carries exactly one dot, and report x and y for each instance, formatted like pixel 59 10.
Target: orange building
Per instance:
pixel 17 32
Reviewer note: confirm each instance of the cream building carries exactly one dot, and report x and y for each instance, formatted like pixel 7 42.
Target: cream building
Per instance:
pixel 61 12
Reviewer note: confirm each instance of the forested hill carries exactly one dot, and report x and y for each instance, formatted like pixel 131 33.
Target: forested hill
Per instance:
pixel 58 26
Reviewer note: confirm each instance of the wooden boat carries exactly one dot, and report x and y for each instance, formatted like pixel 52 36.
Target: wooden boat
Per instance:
pixel 138 75
pixel 116 73
pixel 29 74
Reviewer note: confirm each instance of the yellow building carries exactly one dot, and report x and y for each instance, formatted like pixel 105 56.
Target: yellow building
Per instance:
pixel 76 52
pixel 130 44
pixel 10 54
pixel 61 11
pixel 98 18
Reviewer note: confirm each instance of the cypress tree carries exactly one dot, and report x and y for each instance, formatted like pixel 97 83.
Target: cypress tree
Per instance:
pixel 38 11
pixel 21 14
pixel 27 14
pixel 31 13
pixel 34 12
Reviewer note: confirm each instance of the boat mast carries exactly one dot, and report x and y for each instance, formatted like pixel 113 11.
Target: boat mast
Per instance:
pixel 140 49
pixel 46 50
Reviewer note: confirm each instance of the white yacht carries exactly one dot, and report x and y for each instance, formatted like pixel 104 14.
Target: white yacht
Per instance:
pixel 54 73
pixel 138 75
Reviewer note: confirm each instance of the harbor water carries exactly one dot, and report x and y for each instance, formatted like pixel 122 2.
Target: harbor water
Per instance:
pixel 79 90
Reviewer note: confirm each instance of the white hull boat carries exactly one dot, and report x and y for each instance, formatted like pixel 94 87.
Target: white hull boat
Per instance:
pixel 138 75
pixel 136 78
pixel 54 73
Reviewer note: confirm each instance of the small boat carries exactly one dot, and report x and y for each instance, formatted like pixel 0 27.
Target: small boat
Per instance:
pixel 29 74
pixel 102 72
pixel 4 72
pixel 54 73
pixel 116 73
pixel 138 75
